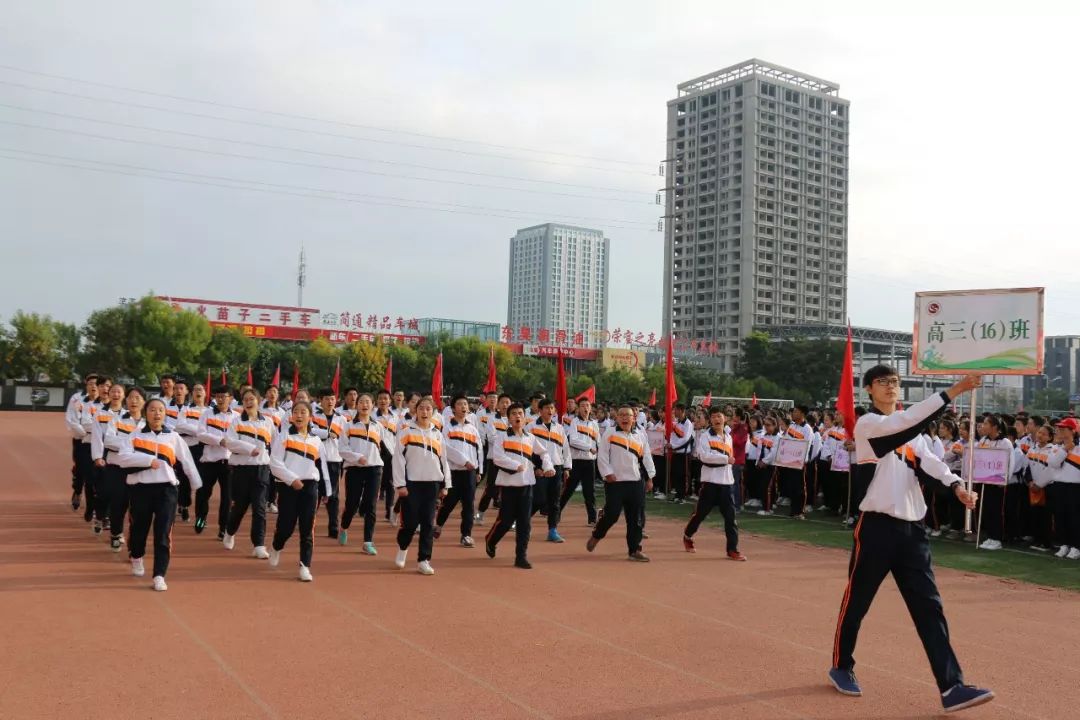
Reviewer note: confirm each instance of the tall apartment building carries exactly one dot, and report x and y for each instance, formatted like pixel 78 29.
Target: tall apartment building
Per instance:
pixel 559 280
pixel 756 204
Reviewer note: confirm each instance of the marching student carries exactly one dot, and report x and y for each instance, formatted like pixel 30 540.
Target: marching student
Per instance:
pixel 273 408
pixel 187 426
pixel 620 458
pixel 584 441
pixel 364 449
pixel 421 476
pixel 348 403
pixel 547 492
pixel 77 432
pixel 465 455
pixel 682 445
pixel 390 420
pixel 153 452
pixel 1042 476
pixel 214 465
pixel 329 426
pixel 496 427
pixel 104 420
pixel 766 473
pixel 167 384
pixel 992 514
pixel 298 464
pixel 717 484
pixel 517 454
pixel 890 536
pixel 249 439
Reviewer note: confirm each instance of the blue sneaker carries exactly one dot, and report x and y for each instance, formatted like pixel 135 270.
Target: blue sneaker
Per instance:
pixel 845 683
pixel 961 697
pixel 369 549
pixel 343 537
pixel 554 536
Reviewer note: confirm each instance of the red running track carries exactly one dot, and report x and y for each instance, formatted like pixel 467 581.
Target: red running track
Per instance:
pixel 580 636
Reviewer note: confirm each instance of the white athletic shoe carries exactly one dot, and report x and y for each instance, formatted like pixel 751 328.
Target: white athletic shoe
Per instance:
pixel 399 560
pixel 138 570
pixel 260 553
pixel 1074 554
pixel 229 541
pixel 159 584
pixel 990 545
pixel 424 568
pixel 822 508
pixel 394 522
pixel 935 533
pixel 764 512
pixel 1062 552
pixel 272 508
pixel 305 574
pixel 479 519
pixel 275 557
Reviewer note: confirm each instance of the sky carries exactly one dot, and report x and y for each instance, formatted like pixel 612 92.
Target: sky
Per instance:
pixel 190 149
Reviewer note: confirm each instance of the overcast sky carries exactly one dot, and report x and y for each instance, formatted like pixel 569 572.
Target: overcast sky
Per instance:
pixel 963 155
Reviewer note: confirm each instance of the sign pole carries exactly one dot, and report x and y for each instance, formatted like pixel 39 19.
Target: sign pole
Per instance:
pixel 970 459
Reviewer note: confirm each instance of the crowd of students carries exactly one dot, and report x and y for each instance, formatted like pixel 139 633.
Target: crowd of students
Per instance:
pixel 141 460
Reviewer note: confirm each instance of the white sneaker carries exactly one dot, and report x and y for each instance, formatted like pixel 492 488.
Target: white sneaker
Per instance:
pixel 272 508
pixel 424 568
pixel 305 574
pixel 1062 552
pixel 394 522
pixel 935 533
pixel 990 545
pixel 659 496
pixel 822 508
pixel 763 512
pixel 260 553
pixel 399 561
pixel 479 519
pixel 275 557
pixel 159 584
pixel 1074 554
pixel 138 570
pixel 229 541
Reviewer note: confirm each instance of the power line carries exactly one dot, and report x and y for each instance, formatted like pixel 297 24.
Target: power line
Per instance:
pixel 291 148
pixel 328 121
pixel 323 133
pixel 281 189
pixel 316 165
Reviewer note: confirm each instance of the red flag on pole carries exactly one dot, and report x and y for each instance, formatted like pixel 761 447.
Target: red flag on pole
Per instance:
pixel 652 398
pixel 436 383
pixel 589 394
pixel 295 381
pixel 250 382
pixel 753 400
pixel 845 398
pixel 560 386
pixel 707 402
pixel 492 383
pixel 670 394
pixel 276 382
pixel 335 384
pixel 388 383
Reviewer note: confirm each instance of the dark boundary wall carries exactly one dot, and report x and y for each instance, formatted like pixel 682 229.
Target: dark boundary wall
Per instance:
pixel 35 397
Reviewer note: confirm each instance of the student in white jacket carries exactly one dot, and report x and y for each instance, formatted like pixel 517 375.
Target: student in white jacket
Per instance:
pixel 421 476
pixel 624 450
pixel 715 452
pixel 249 438
pixel 154 453
pixel 72 420
pixel 298 464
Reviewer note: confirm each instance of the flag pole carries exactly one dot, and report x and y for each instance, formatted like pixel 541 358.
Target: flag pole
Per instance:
pixel 970 462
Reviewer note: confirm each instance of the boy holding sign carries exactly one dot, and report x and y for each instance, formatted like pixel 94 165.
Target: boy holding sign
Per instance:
pixel 891 537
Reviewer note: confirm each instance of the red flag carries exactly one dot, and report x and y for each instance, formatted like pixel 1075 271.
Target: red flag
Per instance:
pixel 589 395
pixel 209 388
pixel 753 400
pixel 335 384
pixel 295 381
pixel 707 402
pixel 670 394
pixel 652 398
pixel 388 383
pixel 845 398
pixel 436 383
pixel 224 377
pixel 250 381
pixel 492 383
pixel 276 382
pixel 560 386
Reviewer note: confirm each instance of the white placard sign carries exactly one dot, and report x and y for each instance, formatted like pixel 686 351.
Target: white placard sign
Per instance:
pixel 841 460
pixel 993 332
pixel 991 465
pixel 791 453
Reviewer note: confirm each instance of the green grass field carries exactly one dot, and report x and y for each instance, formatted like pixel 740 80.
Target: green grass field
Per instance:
pixel 826 530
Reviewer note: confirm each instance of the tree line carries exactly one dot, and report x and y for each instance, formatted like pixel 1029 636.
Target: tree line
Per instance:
pixel 141 340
